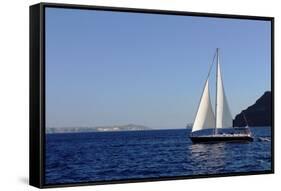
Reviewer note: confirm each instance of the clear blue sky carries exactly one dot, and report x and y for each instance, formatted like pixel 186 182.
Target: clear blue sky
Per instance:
pixel 108 68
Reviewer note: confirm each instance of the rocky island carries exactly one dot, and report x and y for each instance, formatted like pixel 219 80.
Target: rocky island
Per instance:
pixel 258 114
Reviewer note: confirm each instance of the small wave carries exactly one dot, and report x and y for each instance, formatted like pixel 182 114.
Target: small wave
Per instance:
pixel 264 139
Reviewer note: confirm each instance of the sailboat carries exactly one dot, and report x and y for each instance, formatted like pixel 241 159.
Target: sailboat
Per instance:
pixel 214 123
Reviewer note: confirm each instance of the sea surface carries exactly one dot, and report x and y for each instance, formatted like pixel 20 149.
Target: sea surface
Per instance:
pixel 105 156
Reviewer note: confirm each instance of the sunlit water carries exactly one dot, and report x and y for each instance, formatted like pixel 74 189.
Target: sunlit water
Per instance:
pixel 104 156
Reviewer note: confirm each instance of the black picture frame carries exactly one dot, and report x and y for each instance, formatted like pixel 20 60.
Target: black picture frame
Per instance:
pixel 37 91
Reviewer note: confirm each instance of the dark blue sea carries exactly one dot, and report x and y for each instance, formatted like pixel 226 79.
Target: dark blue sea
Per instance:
pixel 105 156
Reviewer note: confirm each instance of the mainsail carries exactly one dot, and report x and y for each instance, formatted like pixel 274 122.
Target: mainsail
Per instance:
pixel 205 117
pixel 223 115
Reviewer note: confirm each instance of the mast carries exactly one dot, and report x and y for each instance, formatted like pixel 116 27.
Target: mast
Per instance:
pixel 216 102
pixel 223 114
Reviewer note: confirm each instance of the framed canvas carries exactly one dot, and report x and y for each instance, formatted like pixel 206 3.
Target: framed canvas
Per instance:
pixel 123 95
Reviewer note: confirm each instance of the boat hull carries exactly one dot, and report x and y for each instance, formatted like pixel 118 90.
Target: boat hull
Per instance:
pixel 198 139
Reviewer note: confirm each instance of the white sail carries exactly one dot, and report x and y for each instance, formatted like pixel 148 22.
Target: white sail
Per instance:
pixel 205 117
pixel 223 115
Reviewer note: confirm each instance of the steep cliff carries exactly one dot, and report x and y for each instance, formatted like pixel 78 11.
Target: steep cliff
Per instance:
pixel 258 114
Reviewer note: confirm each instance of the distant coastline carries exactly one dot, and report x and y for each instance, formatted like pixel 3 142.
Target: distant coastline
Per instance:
pixel 128 127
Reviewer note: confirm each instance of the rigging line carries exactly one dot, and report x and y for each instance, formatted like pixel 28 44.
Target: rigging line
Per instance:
pixel 211 65
pixel 245 118
pixel 248 131
pixel 216 100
